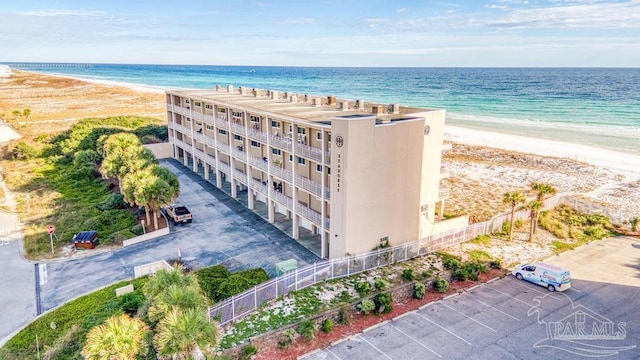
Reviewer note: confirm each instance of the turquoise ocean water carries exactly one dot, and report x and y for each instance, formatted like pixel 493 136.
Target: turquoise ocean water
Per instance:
pixel 598 107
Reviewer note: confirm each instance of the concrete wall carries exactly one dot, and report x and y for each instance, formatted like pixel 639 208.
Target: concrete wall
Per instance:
pixel 161 150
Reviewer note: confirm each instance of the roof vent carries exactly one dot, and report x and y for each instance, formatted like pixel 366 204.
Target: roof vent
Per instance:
pixel 316 102
pixel 377 109
pixel 230 88
pixel 394 108
pixel 331 100
pixel 343 105
pixel 360 104
pixel 293 98
pixel 274 94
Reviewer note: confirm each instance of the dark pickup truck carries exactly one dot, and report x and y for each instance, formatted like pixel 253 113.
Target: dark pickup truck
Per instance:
pixel 178 214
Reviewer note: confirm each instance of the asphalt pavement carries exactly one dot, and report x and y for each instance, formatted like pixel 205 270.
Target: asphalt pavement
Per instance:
pixel 223 232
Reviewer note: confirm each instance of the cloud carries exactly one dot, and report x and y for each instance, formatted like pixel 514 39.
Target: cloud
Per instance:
pixel 59 13
pixel 308 20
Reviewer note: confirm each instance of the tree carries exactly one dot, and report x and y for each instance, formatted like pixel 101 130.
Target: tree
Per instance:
pixel 163 279
pixel 120 337
pixel 183 332
pixel 177 297
pixel 542 190
pixel 513 198
pixel 27 114
pixel 120 162
pixel 534 206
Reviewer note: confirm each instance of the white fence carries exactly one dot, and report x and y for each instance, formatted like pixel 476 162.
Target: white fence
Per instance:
pixel 240 305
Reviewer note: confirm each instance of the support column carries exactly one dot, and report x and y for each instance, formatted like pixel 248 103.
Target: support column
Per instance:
pixel 296 228
pixel 207 168
pixel 234 188
pixel 441 210
pixel 324 249
pixel 219 179
pixel 251 199
pixel 272 211
pixel 185 159
pixel 195 164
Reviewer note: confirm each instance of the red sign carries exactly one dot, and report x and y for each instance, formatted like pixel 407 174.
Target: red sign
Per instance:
pixel 51 229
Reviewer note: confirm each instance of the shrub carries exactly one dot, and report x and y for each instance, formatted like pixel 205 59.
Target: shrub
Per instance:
pixel 219 284
pixel 24 151
pixel 366 306
pixel 113 201
pixel 131 302
pixel 287 338
pixel 495 264
pixel 634 224
pixel 250 350
pixel 327 325
pixel 363 288
pixel 440 285
pixel 460 274
pixel 380 284
pixel 408 275
pixel 506 227
pixel 451 264
pixel 518 224
pixel 308 329
pixel 383 303
pixel 482 240
pixel 426 274
pixel 344 315
pixel 419 290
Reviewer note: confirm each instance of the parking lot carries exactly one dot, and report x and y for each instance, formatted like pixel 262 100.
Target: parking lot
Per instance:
pixel 512 319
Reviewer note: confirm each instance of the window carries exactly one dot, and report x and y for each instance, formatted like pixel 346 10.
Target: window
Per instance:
pixel 319 168
pixel 222 132
pixel 209 127
pixel 236 114
pixel 329 137
pixel 237 137
pixel 197 103
pixel 222 110
pixel 319 135
pixel 208 106
pixel 302 161
pixel 255 144
pixel 329 171
pixel 275 124
pixel 276 152
pixel 302 131
pixel 290 157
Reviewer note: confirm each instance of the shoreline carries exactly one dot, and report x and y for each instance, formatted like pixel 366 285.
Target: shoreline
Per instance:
pixel 627 164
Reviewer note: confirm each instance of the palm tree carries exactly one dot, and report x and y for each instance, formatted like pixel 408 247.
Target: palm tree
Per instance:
pixel 163 279
pixel 535 206
pixel 26 113
pixel 120 337
pixel 118 142
pixel 513 199
pixel 183 332
pixel 176 297
pixel 542 190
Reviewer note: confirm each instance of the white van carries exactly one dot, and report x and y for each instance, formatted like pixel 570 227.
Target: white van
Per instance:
pixel 547 275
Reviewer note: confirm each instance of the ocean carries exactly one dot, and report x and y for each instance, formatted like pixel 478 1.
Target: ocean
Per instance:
pixel 590 106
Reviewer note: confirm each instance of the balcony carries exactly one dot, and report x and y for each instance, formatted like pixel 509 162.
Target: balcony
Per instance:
pixel 311 186
pixel 281 172
pixel 308 151
pixel 222 123
pixel 259 187
pixel 209 119
pixel 311 215
pixel 223 147
pixel 240 176
pixel 259 163
pixel 237 128
pixel 225 168
pixel 280 142
pixel 197 115
pixel 238 153
pixel 283 199
pixel 258 135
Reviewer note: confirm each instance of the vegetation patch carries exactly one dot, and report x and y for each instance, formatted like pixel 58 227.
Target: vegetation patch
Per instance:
pixel 574 228
pixel 220 284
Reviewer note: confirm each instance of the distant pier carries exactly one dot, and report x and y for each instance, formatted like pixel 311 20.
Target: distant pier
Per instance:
pixel 44 65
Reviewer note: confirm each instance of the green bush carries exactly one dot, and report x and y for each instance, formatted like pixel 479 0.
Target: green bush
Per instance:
pixel 327 325
pixel 366 306
pixel 408 275
pixel 426 274
pixel 451 264
pixel 250 350
pixel 440 285
pixel 380 284
pixel 24 151
pixel 419 290
pixel 363 288
pixel 495 264
pixel 482 240
pixel 113 201
pixel 131 302
pixel 519 223
pixel 460 274
pixel 383 303
pixel 137 230
pixel 308 329
pixel 219 284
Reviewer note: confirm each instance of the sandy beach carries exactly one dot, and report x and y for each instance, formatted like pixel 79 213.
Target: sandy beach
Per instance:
pixel 483 164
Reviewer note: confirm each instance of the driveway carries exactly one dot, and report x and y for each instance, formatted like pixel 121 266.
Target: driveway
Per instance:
pixel 223 232
pixel 511 319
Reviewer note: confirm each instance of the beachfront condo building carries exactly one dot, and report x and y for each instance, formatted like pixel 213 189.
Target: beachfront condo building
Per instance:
pixel 342 177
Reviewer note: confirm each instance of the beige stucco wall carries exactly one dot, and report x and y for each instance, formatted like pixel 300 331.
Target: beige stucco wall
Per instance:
pixel 161 150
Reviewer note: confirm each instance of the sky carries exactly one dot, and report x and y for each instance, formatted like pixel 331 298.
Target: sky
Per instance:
pixel 361 33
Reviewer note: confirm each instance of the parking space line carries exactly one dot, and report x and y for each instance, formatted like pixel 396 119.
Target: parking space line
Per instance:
pixel 380 351
pixel 331 352
pixel 415 340
pixel 496 309
pixel 443 328
pixel 505 294
pixel 470 318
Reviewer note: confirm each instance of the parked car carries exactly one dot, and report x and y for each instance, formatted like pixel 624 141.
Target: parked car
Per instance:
pixel 178 214
pixel 85 240
pixel 550 276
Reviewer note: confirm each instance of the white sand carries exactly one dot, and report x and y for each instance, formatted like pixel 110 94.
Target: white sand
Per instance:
pixel 617 162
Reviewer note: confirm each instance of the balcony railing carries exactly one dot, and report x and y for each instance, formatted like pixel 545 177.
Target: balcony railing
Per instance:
pixel 197 115
pixel 280 142
pixel 281 172
pixel 222 124
pixel 283 199
pixel 209 118
pixel 310 152
pixel 258 135
pixel 259 187
pixel 311 186
pixel 223 147
pixel 312 215
pixel 225 168
pixel 259 163
pixel 237 128
pixel 239 154
pixel 240 176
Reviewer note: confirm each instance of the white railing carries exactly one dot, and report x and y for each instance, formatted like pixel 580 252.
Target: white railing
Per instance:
pixel 225 168
pixel 240 176
pixel 283 199
pixel 259 163
pixel 310 214
pixel 197 115
pixel 239 154
pixel 209 119
pixel 308 151
pixel 281 172
pixel 240 305
pixel 222 124
pixel 260 187
pixel 309 185
pixel 223 147
pixel 237 128
pixel 280 142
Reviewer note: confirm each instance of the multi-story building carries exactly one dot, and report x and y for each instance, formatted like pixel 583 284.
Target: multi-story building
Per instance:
pixel 352 175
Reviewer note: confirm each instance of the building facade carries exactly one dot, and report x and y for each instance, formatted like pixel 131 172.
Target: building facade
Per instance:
pixel 352 175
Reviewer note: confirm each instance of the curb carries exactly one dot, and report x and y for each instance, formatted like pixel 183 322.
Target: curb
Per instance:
pixel 342 340
pixel 403 315
pixel 309 354
pixel 450 296
pixel 427 305
pixel 375 326
pixel 492 280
